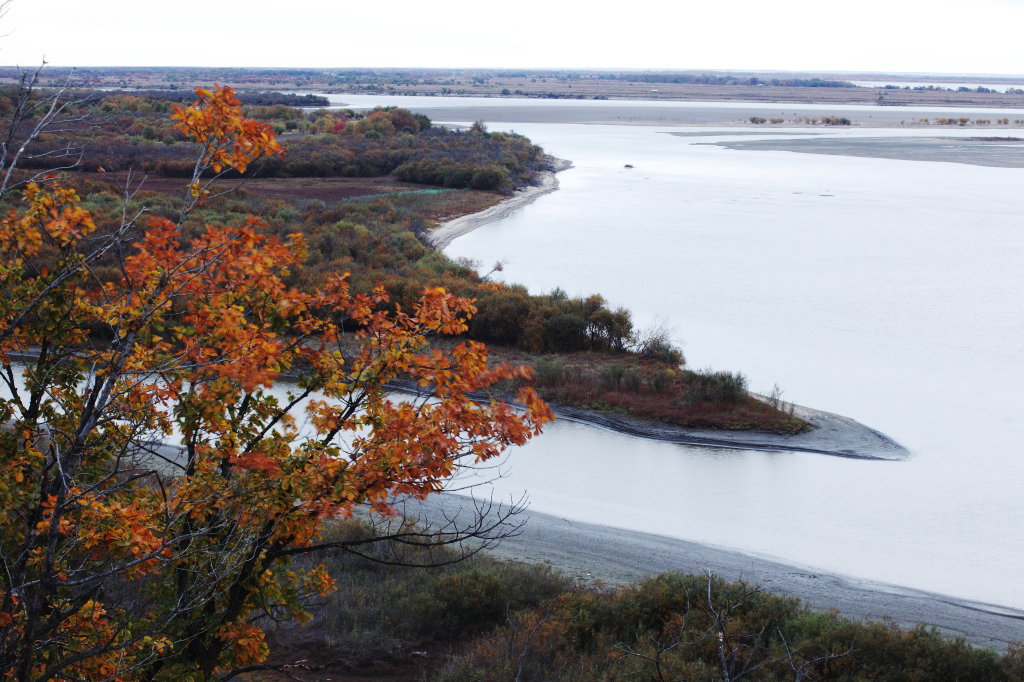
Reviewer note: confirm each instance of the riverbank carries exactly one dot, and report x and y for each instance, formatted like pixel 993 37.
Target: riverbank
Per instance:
pixel 601 554
pixel 829 434
pixel 442 235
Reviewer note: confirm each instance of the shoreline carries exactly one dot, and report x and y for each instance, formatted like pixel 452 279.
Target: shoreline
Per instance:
pixel 830 434
pixel 596 555
pixel 443 235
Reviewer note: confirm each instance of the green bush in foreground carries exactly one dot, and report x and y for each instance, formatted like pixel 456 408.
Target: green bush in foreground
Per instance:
pixel 684 627
pixel 385 611
pixel 503 621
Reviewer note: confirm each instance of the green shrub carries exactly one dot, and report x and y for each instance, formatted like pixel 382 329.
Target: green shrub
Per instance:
pixel 631 380
pixel 715 387
pixel 662 379
pixel 380 610
pixel 670 627
pixel 611 377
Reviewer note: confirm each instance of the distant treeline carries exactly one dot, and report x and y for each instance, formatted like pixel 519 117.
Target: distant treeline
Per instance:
pixel 251 97
pixel 961 88
pixel 134 132
pixel 713 79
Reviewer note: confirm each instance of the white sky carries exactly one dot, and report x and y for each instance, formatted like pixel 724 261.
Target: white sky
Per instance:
pixel 982 36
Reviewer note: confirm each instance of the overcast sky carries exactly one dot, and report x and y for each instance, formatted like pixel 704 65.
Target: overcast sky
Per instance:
pixel 982 36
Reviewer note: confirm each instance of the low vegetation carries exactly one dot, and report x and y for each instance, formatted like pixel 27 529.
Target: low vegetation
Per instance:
pixel 490 620
pixel 603 362
pixel 684 627
pixel 134 132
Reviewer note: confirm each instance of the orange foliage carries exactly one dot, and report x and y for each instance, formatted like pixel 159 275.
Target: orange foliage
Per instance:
pixel 199 332
pixel 229 139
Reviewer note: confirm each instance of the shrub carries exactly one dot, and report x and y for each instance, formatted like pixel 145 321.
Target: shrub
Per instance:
pixel 670 627
pixel 548 372
pixel 611 377
pixel 715 387
pixel 381 610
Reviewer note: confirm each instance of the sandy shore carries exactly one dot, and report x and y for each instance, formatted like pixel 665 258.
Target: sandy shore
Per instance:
pixel 442 235
pixel 595 553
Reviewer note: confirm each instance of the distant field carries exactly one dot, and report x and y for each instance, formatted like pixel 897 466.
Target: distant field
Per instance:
pixel 533 84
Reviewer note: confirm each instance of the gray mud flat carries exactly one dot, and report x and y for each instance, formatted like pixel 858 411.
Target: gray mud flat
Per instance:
pixel 601 554
pixel 994 152
pixel 830 434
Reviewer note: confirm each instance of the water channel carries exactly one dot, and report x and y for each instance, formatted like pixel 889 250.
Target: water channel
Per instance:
pixel 885 290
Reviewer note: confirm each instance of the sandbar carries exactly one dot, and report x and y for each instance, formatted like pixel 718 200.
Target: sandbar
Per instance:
pixel 993 151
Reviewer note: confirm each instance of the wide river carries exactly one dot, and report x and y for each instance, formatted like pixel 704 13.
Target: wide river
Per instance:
pixel 889 291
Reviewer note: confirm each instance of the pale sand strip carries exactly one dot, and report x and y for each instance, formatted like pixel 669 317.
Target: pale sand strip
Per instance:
pixel 599 553
pixel 443 235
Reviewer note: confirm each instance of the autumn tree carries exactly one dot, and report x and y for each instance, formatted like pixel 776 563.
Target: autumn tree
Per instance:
pixel 159 476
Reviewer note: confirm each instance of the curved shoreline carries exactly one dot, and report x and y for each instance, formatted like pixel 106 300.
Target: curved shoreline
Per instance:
pixel 443 235
pixel 602 554
pixel 830 434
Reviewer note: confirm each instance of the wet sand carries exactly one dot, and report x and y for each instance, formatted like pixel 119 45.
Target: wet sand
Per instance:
pixel 600 554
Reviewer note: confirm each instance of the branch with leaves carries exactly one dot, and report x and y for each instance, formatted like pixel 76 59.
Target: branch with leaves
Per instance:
pixel 149 454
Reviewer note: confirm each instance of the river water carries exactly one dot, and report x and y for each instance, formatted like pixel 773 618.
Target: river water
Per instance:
pixel 888 291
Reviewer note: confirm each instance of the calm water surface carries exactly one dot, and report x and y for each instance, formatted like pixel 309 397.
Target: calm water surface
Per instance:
pixel 888 291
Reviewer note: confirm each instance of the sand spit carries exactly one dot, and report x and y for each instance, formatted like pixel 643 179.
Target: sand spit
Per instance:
pixel 443 235
pixel 830 434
